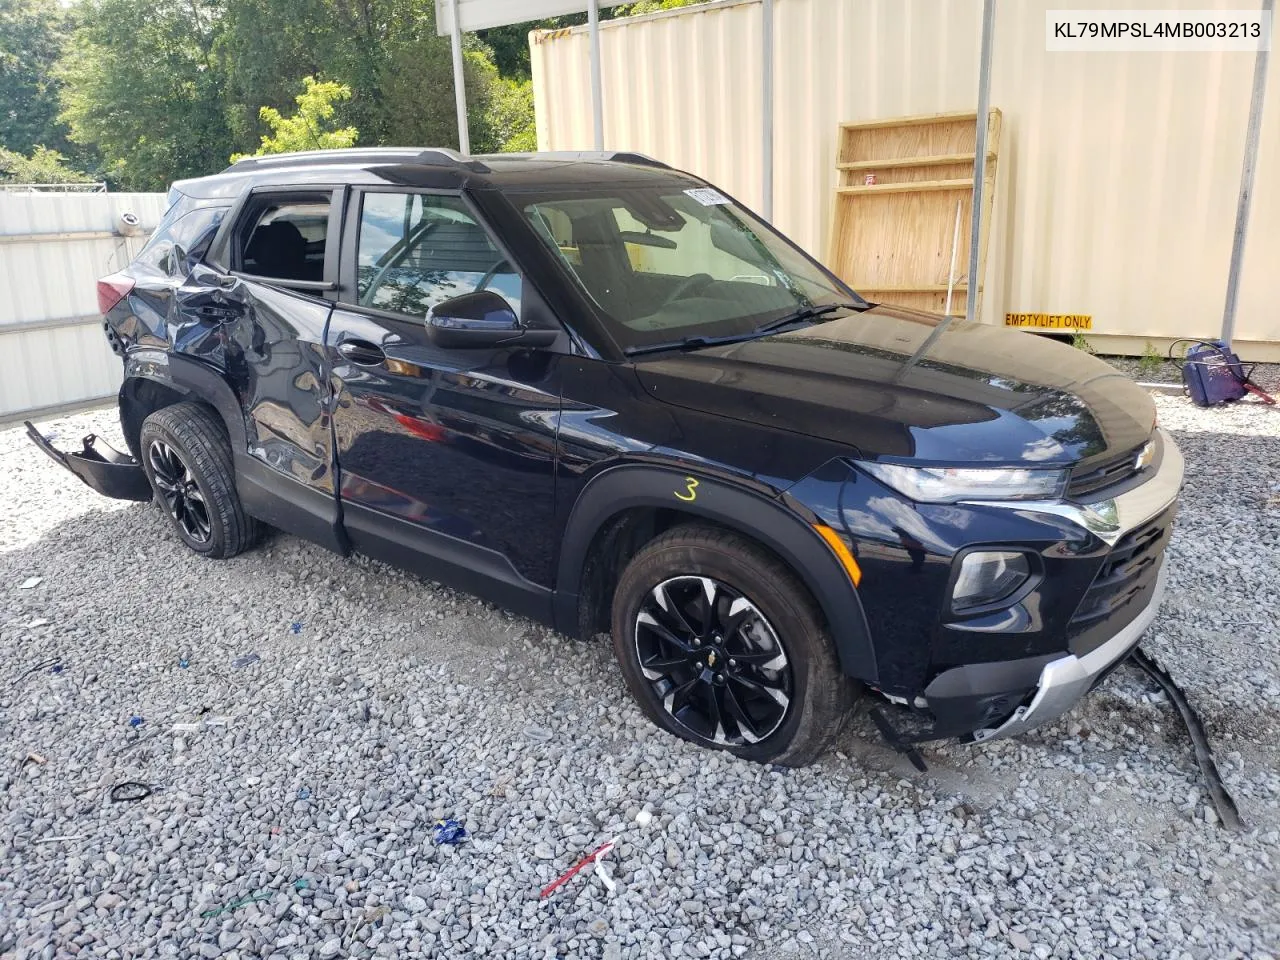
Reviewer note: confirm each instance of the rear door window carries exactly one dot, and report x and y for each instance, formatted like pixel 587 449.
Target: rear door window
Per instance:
pixel 286 239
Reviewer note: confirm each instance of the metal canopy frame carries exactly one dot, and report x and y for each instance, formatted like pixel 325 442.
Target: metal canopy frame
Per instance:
pixel 500 12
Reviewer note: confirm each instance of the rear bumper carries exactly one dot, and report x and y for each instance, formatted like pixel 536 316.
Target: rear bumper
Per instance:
pixel 109 472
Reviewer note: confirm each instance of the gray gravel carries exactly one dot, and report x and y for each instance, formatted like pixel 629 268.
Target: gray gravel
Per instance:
pixel 398 702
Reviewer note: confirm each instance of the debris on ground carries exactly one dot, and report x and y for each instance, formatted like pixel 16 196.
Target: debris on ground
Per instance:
pixel 130 791
pixel 258 896
pixel 1228 813
pixel 46 664
pixel 30 583
pixel 586 861
pixel 248 660
pixel 448 832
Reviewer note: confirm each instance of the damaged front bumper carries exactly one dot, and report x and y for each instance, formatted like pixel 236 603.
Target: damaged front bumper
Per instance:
pixel 108 471
pixel 1065 680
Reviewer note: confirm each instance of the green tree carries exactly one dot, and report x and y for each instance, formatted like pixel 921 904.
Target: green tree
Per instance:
pixel 262 48
pixel 31 37
pixel 313 126
pixel 43 166
pixel 142 85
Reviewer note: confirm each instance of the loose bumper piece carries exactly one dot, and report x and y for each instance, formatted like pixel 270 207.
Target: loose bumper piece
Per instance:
pixel 109 472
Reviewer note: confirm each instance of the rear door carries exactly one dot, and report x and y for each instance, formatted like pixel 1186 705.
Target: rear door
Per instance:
pixel 446 457
pixel 268 290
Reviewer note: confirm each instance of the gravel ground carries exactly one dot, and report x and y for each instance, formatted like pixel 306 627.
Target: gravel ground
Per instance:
pixel 380 703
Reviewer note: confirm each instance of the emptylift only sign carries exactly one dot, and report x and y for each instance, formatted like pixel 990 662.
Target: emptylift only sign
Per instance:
pixel 1049 321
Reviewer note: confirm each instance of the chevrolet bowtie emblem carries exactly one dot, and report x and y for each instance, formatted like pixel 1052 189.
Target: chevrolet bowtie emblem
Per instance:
pixel 1145 456
pixel 711 659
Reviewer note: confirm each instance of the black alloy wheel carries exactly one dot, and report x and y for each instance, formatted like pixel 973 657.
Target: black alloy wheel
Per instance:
pixel 179 491
pixel 187 457
pixel 713 661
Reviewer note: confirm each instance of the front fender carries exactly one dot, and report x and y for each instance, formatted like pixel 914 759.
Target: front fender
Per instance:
pixel 784 531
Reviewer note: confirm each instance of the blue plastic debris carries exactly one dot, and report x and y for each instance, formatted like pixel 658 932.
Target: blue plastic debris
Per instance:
pixel 448 832
pixel 296 626
pixel 304 793
pixel 136 721
pixel 56 668
pixel 183 662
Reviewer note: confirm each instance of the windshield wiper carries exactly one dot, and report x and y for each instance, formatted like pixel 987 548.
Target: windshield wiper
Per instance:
pixel 684 343
pixel 803 315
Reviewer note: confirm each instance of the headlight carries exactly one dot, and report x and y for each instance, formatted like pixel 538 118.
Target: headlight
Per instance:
pixel 949 484
pixel 987 576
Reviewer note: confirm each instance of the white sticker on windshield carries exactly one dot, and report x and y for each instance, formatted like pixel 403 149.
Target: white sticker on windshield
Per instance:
pixel 707 196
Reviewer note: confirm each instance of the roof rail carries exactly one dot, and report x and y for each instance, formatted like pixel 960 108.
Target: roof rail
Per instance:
pixel 433 156
pixel 617 156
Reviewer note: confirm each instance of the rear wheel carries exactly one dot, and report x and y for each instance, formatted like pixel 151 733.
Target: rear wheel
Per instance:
pixel 186 456
pixel 722 645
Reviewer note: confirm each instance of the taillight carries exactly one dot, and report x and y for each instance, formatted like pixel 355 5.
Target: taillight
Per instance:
pixel 111 290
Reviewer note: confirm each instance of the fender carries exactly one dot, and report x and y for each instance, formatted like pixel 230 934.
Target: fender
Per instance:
pixel 194 379
pixel 265 493
pixel 762 518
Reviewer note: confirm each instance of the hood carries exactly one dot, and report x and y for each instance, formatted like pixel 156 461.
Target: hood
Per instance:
pixel 897 383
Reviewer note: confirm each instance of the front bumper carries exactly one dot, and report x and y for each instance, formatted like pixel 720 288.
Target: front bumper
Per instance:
pixel 1000 699
pixel 1064 681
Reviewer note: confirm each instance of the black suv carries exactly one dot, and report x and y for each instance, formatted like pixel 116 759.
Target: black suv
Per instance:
pixel 601 393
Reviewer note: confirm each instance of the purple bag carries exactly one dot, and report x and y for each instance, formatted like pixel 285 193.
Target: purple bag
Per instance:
pixel 1212 374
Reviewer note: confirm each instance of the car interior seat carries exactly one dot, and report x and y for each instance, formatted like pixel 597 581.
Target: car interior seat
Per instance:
pixel 279 250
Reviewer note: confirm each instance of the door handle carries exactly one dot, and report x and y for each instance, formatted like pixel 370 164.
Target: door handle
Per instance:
pixel 362 352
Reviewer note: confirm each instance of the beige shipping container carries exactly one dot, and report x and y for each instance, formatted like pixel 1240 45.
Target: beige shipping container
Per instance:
pixel 1118 174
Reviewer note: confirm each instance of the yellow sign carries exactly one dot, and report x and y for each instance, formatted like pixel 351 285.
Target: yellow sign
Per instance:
pixel 1049 321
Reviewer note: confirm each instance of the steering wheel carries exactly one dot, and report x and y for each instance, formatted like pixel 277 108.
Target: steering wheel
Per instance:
pixel 687 286
pixel 490 274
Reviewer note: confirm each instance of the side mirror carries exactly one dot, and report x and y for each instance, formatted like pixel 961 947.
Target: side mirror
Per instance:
pixel 481 319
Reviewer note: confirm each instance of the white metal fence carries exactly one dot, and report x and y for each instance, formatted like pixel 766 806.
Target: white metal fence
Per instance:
pixel 53 248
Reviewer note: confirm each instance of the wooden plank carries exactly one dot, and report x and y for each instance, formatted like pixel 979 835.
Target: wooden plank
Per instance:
pixel 909 186
pixel 916 121
pixel 908 161
pixel 892 239
pixel 926 288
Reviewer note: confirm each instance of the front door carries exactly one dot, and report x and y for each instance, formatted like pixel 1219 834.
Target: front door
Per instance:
pixel 446 458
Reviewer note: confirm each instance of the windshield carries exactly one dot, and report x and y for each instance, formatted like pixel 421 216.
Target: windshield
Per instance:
pixel 663 263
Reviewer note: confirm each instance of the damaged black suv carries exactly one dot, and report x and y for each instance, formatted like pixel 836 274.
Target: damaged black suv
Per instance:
pixel 601 393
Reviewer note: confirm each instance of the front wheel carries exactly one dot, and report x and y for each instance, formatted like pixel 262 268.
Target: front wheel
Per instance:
pixel 721 645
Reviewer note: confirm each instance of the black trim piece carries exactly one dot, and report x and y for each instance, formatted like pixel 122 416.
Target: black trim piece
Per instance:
pixel 289 505
pixel 780 530
pixel 437 556
pixel 204 383
pixel 1228 812
pixel 107 471
pixel 319 286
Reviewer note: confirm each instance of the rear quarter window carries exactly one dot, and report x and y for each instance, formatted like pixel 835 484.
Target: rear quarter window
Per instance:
pixel 182 238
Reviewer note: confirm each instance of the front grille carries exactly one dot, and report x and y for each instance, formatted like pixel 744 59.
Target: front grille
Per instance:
pixel 1116 470
pixel 1122 586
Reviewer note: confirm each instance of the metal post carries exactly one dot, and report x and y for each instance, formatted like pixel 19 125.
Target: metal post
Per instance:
pixel 597 95
pixel 459 81
pixel 973 280
pixel 766 166
pixel 1245 199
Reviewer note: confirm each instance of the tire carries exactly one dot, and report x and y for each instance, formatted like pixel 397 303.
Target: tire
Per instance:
pixel 683 671
pixel 187 457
